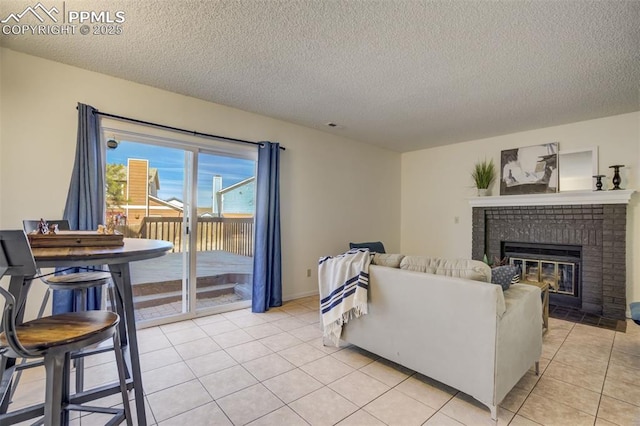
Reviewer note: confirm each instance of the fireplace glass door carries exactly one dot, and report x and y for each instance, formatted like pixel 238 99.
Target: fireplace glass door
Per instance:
pixel 531 271
pixel 548 274
pixel 560 276
pixel 566 278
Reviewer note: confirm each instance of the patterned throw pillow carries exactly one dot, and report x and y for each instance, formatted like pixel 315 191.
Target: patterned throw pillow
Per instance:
pixel 505 276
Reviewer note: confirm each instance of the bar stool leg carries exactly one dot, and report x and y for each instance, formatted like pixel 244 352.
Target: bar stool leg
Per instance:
pixel 79 362
pixel 66 388
pixel 54 367
pixel 121 366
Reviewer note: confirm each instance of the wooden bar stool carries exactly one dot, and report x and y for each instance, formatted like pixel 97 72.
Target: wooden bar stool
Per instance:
pixel 54 338
pixel 79 282
pixel 72 281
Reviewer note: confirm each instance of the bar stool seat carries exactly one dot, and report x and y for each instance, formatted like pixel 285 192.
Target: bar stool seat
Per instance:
pixel 54 338
pixel 78 280
pixel 74 330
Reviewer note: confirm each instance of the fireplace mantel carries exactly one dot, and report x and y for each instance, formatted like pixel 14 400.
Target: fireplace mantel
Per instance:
pixel 622 196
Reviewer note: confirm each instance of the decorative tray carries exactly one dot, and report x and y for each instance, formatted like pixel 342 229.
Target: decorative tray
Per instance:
pixel 75 239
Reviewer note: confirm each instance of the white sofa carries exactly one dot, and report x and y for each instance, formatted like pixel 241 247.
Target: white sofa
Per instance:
pixel 467 334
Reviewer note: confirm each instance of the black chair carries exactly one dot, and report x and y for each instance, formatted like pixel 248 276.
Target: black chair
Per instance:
pixel 53 337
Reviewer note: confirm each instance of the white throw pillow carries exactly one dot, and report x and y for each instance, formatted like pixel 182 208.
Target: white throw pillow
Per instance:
pixel 461 268
pixel 388 259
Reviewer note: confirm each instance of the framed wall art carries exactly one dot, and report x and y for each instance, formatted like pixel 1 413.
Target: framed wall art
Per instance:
pixel 529 170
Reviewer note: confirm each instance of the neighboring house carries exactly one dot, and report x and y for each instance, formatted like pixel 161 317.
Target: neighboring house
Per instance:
pixel 237 200
pixel 141 195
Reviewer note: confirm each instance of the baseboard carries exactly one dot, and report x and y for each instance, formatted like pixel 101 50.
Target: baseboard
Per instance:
pixel 294 296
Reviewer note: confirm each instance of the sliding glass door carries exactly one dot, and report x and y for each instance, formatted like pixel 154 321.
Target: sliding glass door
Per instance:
pixel 226 193
pixel 146 186
pixel 200 199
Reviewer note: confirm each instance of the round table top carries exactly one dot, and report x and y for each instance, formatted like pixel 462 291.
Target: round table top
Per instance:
pixel 134 249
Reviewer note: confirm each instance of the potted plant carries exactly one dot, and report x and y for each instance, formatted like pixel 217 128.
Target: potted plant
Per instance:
pixel 483 174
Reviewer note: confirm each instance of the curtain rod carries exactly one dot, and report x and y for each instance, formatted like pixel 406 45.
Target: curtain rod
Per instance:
pixel 177 129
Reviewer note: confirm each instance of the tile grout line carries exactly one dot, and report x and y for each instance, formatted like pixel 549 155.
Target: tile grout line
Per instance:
pixel 605 376
pixel 541 374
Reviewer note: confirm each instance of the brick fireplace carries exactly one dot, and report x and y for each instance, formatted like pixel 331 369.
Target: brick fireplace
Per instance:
pixel 592 223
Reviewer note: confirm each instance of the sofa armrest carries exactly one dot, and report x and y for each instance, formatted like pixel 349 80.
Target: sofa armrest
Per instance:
pixel 519 342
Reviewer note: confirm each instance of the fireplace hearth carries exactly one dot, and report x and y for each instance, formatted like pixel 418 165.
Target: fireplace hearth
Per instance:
pixel 596 231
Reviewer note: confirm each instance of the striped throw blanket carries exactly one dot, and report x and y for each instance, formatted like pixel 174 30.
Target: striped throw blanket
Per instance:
pixel 343 282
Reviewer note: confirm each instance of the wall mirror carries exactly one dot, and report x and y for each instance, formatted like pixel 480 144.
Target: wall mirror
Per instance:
pixel 577 168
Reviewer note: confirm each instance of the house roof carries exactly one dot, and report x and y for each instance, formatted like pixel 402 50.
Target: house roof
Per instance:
pixel 400 74
pixel 174 206
pixel 237 185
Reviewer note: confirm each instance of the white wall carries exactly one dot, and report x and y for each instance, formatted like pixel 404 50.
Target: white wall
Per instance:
pixel 333 190
pixel 436 184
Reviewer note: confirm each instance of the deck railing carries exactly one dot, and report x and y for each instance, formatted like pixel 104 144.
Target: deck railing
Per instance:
pixel 234 235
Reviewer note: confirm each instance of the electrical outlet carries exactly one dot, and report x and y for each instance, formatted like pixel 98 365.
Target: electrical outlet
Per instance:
pixel 308 273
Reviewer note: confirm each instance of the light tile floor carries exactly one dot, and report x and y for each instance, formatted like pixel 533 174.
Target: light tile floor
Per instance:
pixel 272 369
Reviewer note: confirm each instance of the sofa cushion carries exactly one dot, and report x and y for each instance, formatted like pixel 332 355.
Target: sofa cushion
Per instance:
pixel 373 246
pixel 462 268
pixel 505 275
pixel 387 259
pixel 515 296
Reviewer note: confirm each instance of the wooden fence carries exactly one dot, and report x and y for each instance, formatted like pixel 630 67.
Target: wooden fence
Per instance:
pixel 234 235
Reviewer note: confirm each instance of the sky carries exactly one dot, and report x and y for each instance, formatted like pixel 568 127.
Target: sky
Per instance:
pixel 170 165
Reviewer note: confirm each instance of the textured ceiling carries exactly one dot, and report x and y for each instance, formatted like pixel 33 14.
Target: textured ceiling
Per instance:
pixel 404 75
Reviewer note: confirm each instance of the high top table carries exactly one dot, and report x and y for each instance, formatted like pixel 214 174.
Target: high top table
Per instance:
pixel 117 258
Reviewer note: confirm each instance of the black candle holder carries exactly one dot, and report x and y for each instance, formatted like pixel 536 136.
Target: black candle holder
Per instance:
pixel 599 182
pixel 616 176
